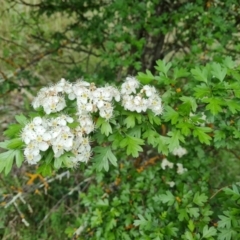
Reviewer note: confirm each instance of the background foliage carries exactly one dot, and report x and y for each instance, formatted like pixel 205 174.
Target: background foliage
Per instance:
pixel 104 41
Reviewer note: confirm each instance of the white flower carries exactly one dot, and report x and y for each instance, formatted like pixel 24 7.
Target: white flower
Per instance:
pixel 149 91
pixel 32 159
pixel 86 124
pixel 130 85
pixel 171 184
pixel 180 169
pixel 165 163
pixel 180 151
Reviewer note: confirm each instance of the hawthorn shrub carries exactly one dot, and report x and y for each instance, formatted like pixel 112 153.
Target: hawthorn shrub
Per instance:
pixel 147 149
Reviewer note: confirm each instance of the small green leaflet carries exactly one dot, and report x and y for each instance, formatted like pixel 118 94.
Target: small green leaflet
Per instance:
pixel 163 67
pixel 116 138
pixel 202 91
pixel 133 145
pixel 170 115
pixel 179 73
pixel 141 222
pixel 193 212
pixel 200 199
pixel 6 160
pixel 63 159
pixel 225 221
pixel 151 136
pixel 15 143
pixel 226 234
pixel 191 101
pixel 219 135
pixel 105 126
pixel 200 132
pixel 131 119
pixel 162 144
pixel 218 71
pixel 188 236
pixel 4 144
pixel 45 170
pixel 102 157
pixel 229 63
pixel 19 158
pixel 200 74
pixel 191 225
pixel 167 198
pixel 185 128
pixel 174 140
pixel 153 119
pixel 21 119
pixel 209 232
pixel 13 130
pixel 233 106
pixel 145 78
pixel 214 104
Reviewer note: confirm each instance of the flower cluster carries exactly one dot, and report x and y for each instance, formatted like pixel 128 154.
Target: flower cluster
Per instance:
pixel 180 151
pixel 41 133
pixel 137 100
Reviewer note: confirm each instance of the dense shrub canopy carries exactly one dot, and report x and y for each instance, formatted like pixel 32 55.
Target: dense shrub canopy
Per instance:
pixel 155 156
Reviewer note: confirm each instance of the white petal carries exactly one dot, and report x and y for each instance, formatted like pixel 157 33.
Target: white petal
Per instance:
pixel 43 146
pixel 37 120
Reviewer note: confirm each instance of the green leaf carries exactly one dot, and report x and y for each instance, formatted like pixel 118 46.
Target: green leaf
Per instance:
pixel 13 130
pixel 153 119
pixel 200 74
pixel 19 157
pixel 200 199
pixel 225 222
pixel 191 101
pixel 182 214
pixel 106 128
pixel 233 106
pixel 163 67
pixel 162 144
pixel 49 156
pixel 142 222
pixel 202 91
pixel 116 139
pixel 200 132
pixel 15 143
pixel 226 234
pixel 6 160
pixel 4 144
pixel 58 162
pixel 104 155
pixel 170 115
pixel 179 73
pixel 188 236
pixel 145 78
pixel 151 136
pixel 45 169
pixel 214 104
pixel 130 121
pixel 174 140
pixel 21 119
pixel 191 225
pixel 229 63
pixel 193 212
pixel 133 145
pixel 185 128
pixel 167 198
pixel 219 135
pixel 209 232
pixel 218 71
